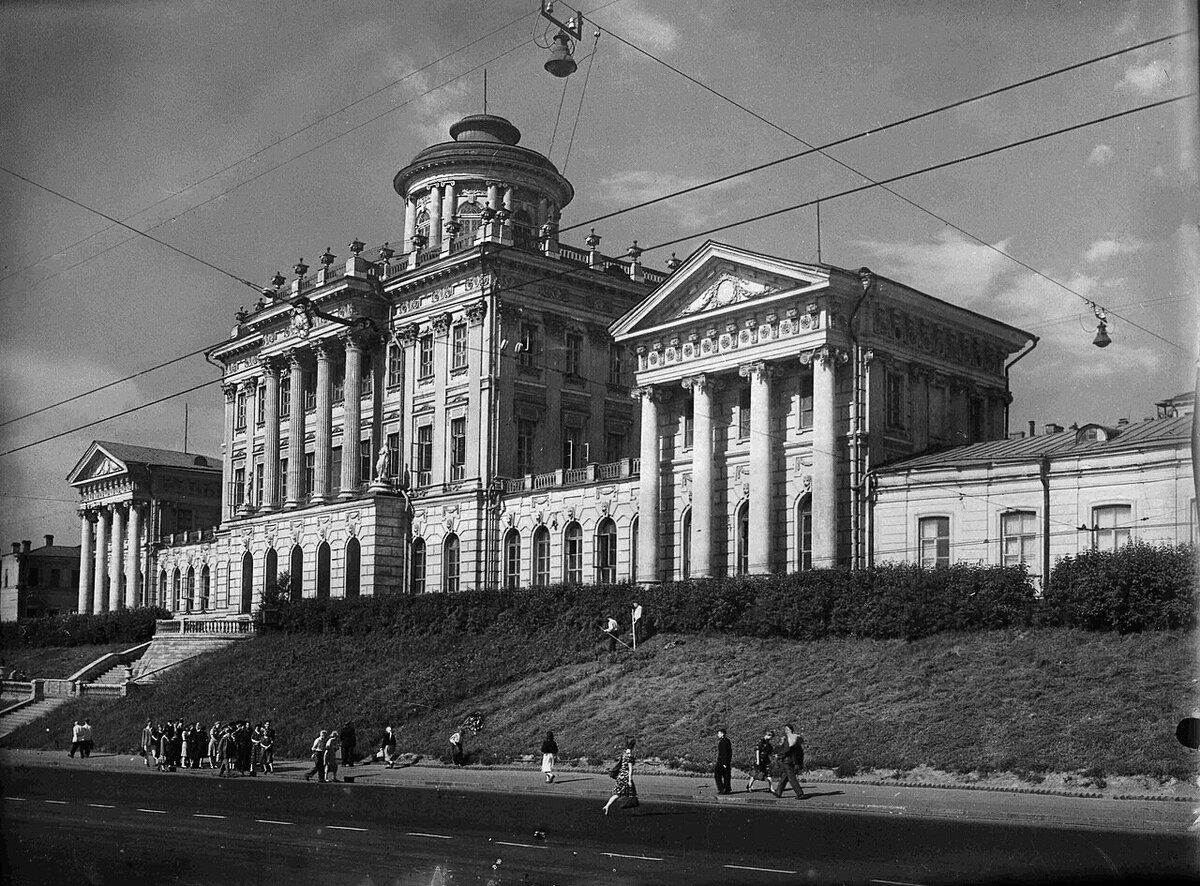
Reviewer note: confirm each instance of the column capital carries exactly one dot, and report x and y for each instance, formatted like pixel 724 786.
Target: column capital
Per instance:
pixel 326 348
pixel 476 311
pixel 407 334
pixel 273 365
pixel 298 357
pixel 230 389
pixel 441 323
pixel 702 383
pixel 759 370
pixel 354 339
pixel 646 392
pixel 249 385
pixel 826 354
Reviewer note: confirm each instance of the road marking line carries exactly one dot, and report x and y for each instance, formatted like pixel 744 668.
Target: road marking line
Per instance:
pixel 434 836
pixel 56 802
pixel 896 883
pixel 525 845
pixel 642 857
pixel 272 821
pixel 205 815
pixel 742 867
pixel 339 827
pixel 155 811
pixel 22 799
pixel 101 806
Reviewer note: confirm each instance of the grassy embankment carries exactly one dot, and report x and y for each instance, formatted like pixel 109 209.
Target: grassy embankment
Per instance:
pixel 1024 701
pixel 55 661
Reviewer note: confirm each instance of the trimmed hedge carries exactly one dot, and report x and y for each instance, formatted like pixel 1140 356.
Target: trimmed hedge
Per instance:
pixel 890 601
pixel 123 626
pixel 1139 587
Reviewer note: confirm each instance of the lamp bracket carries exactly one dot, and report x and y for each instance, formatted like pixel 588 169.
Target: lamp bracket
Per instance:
pixel 572 26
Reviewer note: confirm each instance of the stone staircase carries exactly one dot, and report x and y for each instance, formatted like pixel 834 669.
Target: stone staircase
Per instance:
pixel 16 717
pixel 167 651
pixel 114 676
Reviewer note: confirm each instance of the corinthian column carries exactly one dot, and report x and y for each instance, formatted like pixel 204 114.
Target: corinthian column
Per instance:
pixel 100 599
pixel 86 566
pixel 133 558
pixel 351 415
pixel 115 563
pixel 702 388
pixel 824 444
pixel 270 495
pixel 324 421
pixel 435 216
pixel 227 503
pixel 759 542
pixel 295 478
pixel 648 487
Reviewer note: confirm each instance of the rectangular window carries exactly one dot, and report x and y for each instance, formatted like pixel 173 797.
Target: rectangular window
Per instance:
pixel 239 421
pixel 689 423
pixel 282 476
pixel 541 557
pixel 365 462
pixel 395 365
pixel 418 566
pixel 32 576
pixel 366 377
pixel 339 383
pixel 285 397
pixel 614 446
pixel 260 405
pixel 894 401
pixel 573 555
pixel 1018 538
pixel 393 445
pixel 458 448
pixel 55 577
pixel 934 539
pixel 425 356
pixel 458 346
pixel 335 469
pixel 804 531
pixel 424 455
pixel 526 433
pixel 309 387
pixel 239 487
pixel 574 351
pixel 574 449
pixel 616 365
pixel 806 401
pixel 258 484
pixel 1111 525
pixel 744 414
pixel 528 346
pixel 310 472
pixel 512 560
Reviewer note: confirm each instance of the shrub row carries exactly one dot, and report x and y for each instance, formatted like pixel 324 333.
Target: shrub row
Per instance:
pixel 1139 587
pixel 123 626
pixel 891 601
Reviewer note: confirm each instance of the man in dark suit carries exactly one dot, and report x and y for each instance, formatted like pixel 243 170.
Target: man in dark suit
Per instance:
pixel 724 765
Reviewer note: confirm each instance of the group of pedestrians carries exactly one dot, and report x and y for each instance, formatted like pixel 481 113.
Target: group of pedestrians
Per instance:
pixel 81 739
pixel 331 749
pixel 790 760
pixel 232 748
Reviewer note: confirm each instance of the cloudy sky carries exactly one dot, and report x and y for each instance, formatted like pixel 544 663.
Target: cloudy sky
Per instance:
pixel 252 133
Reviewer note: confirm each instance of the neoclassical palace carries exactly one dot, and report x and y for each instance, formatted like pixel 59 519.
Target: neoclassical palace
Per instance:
pixel 484 406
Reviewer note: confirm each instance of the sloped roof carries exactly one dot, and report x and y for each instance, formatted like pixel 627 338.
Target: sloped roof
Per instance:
pixel 148 455
pixel 1149 434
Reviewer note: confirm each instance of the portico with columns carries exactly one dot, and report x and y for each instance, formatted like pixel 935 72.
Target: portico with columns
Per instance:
pixel 754 375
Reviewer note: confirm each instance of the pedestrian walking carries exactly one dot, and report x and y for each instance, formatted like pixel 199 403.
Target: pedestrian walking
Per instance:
pixel 349 738
pixel 76 740
pixel 456 748
pixel 723 768
pixel 318 757
pixel 214 743
pixel 387 747
pixel 549 756
pixel 86 750
pixel 333 750
pixel 792 760
pixel 268 751
pixel 146 748
pixel 256 749
pixel 185 753
pixel 624 789
pixel 244 747
pixel 227 751
pixel 762 761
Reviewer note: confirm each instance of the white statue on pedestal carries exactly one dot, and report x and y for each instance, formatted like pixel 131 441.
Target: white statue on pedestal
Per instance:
pixel 382 463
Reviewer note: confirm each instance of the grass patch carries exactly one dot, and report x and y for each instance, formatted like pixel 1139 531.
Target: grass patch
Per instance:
pixel 1036 701
pixel 55 662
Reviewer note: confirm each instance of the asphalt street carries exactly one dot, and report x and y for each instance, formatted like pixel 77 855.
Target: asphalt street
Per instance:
pixel 78 824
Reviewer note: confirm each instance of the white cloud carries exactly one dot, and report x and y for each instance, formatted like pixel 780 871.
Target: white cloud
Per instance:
pixel 1100 155
pixel 950 267
pixel 1149 79
pixel 638 185
pixel 645 28
pixel 1109 247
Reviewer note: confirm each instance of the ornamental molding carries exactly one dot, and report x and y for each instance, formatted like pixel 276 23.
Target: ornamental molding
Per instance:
pixel 442 323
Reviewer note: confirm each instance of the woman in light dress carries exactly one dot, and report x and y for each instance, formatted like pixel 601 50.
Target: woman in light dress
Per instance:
pixel 549 756
pixel 624 788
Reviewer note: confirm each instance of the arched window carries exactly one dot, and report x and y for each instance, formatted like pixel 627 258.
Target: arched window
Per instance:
pixel 685 545
pixel 606 552
pixel 804 534
pixel 423 223
pixel 247 584
pixel 271 572
pixel 162 588
pixel 743 539
pixel 450 564
pixel 541 557
pixel 177 591
pixel 205 588
pixel 633 549
pixel 512 559
pixel 353 568
pixel 190 587
pixel 417 566
pixel 296 573
pixel 573 554
pixel 323 571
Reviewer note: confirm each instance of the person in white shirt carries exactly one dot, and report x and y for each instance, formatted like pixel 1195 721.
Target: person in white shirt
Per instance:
pixel 76 740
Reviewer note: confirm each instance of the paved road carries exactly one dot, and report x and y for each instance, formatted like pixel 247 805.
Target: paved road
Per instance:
pixel 78 825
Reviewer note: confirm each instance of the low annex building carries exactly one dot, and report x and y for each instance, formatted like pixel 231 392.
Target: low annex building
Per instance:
pixel 38 581
pixel 485 406
pixel 1033 499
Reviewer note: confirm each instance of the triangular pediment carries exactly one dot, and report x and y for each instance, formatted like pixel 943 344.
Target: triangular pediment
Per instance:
pixel 715 280
pixel 96 463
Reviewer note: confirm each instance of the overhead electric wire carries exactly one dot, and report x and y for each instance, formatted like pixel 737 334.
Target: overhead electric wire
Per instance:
pixel 882 184
pixel 583 92
pixel 577 270
pixel 866 132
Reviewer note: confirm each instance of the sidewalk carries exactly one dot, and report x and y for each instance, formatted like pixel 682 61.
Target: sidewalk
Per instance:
pixel 1161 816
